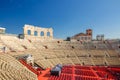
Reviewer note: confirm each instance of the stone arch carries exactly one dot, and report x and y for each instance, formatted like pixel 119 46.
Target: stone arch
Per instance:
pixel 35 33
pixel 50 30
pixel 42 33
pixel 48 34
pixel 28 32
pixel 39 32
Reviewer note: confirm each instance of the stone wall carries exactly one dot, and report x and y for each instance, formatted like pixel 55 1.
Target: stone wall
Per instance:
pixel 35 32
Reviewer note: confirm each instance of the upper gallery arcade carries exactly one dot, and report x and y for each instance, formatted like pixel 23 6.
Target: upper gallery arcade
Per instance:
pixel 37 32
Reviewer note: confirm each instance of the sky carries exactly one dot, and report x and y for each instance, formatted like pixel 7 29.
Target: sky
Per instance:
pixel 66 17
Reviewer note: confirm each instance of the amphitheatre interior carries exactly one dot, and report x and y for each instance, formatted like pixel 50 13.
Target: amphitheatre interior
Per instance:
pixel 80 60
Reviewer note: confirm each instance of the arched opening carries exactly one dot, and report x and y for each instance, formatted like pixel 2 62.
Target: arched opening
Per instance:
pixel 68 56
pixel 119 46
pixel 35 33
pixel 46 47
pixel 58 41
pixel 42 33
pixel 72 47
pixel 29 32
pixel 24 46
pixel 48 34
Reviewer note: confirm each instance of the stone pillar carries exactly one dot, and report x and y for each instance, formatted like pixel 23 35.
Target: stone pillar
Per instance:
pixel 32 32
pixel 38 33
pixel 45 34
pixel 25 31
pixel 51 33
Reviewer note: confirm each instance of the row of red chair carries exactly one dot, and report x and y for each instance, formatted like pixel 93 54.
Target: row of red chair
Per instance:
pixel 29 67
pixel 84 73
pixel 102 74
pixel 85 78
pixel 82 67
pixel 67 70
pixel 61 77
pixel 99 68
pixel 88 73
pixel 67 66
